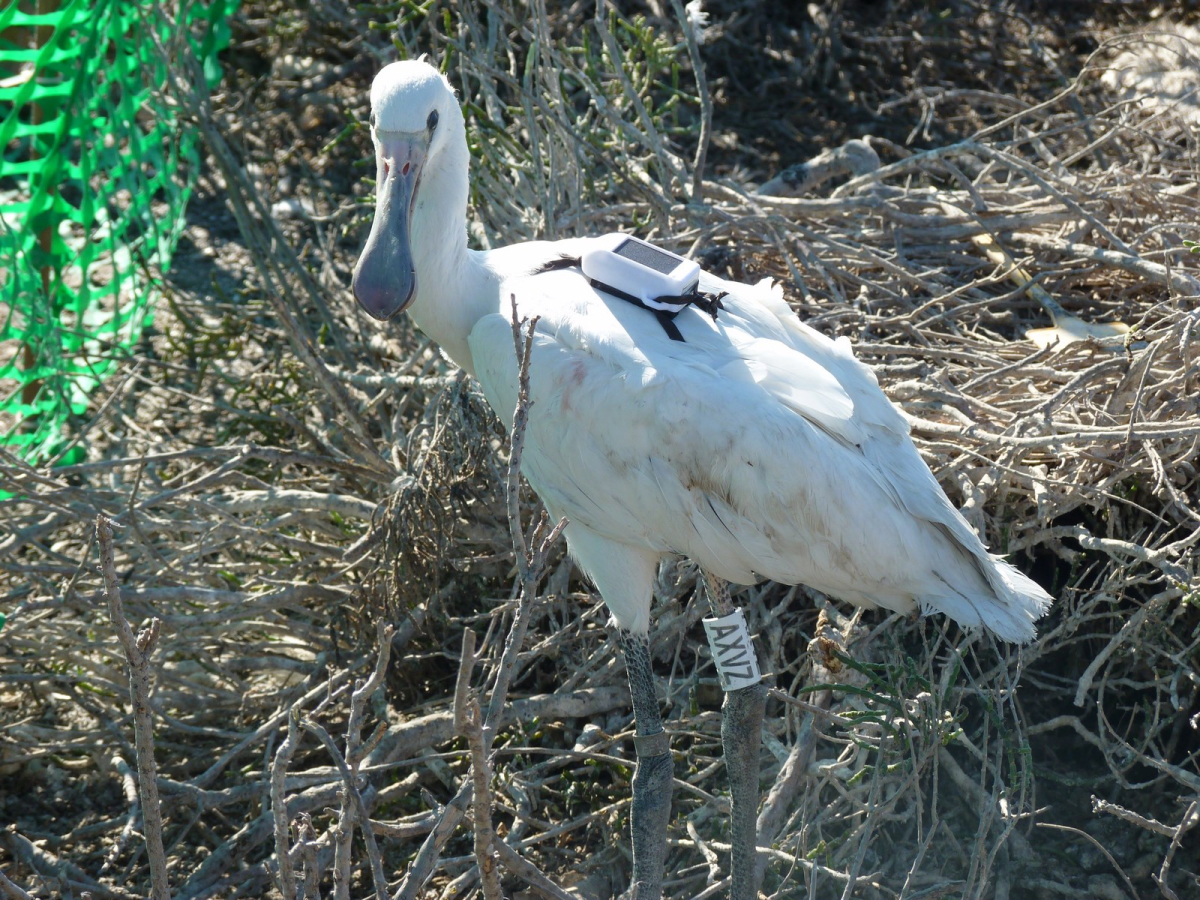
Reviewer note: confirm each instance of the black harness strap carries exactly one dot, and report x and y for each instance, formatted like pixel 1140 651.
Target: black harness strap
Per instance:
pixel 665 317
pixel 667 321
pixel 709 303
pixel 554 265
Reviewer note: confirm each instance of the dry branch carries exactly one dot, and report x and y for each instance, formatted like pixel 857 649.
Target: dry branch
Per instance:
pixel 308 853
pixel 481 775
pixel 138 651
pixel 11 890
pixel 129 785
pixel 279 766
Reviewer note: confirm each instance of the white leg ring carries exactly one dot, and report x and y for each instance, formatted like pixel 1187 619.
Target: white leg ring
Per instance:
pixel 733 651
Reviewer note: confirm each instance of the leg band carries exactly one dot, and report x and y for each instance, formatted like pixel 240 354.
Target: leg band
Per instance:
pixel 651 744
pixel 733 651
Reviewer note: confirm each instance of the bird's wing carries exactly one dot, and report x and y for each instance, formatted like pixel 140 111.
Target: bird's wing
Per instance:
pixel 899 470
pixel 756 446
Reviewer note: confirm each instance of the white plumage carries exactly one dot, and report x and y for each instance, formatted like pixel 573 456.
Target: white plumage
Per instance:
pixel 757 447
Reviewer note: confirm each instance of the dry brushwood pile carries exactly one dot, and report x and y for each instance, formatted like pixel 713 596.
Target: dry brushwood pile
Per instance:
pixel 354 686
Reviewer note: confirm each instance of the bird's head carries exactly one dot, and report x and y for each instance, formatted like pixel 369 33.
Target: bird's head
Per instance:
pixel 413 117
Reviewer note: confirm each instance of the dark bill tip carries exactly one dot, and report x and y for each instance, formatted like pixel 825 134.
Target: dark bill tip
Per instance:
pixel 383 296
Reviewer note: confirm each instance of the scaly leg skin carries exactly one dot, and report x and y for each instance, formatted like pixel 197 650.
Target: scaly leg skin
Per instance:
pixel 652 782
pixel 741 737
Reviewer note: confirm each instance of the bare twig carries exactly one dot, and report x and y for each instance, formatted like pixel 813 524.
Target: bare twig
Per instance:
pixel 530 874
pixel 1189 820
pixel 422 867
pixel 307 839
pixel 706 110
pixel 481 774
pixel 467 722
pixel 129 786
pixel 531 554
pixel 462 685
pixel 352 805
pixel 279 767
pixel 138 651
pixel 523 346
pixel 68 875
pixel 11 890
pixel 1112 809
pixel 1083 835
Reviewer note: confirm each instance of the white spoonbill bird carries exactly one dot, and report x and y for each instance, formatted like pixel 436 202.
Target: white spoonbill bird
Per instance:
pixel 738 437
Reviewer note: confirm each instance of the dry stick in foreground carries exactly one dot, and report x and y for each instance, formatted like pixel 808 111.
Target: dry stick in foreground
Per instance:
pixel 307 838
pixel 352 805
pixel 706 106
pixel 138 651
pixel 531 556
pixel 283 756
pixel 793 773
pixel 59 872
pixel 129 785
pixel 1190 820
pixel 468 721
pixel 11 890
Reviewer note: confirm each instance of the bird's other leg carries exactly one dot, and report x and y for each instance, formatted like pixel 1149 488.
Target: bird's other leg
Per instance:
pixel 652 781
pixel 741 734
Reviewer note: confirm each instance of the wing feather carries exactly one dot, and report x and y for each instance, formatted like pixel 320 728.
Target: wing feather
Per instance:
pixel 758 447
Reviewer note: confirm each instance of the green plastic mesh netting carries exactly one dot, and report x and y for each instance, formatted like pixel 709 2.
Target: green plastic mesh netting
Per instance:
pixel 94 181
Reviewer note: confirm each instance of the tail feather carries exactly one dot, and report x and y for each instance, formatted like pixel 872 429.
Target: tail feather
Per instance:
pixel 982 590
pixel 1022 601
pixel 1007 605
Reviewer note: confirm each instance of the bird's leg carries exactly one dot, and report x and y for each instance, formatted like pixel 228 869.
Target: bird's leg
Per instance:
pixel 652 780
pixel 741 731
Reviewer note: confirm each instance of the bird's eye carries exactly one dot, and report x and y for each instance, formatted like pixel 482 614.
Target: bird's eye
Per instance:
pixel 372 120
pixel 431 122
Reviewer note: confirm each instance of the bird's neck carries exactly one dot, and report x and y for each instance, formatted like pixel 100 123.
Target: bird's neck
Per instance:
pixel 449 299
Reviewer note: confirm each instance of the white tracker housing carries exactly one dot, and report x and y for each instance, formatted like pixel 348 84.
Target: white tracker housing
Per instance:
pixel 632 266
